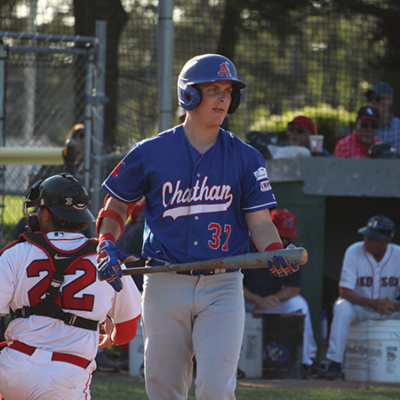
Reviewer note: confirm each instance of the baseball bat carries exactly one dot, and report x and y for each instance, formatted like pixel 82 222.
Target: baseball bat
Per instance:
pixel 298 255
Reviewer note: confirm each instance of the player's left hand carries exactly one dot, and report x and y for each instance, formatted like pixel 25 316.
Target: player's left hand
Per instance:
pixel 109 260
pixel 105 330
pixel 279 266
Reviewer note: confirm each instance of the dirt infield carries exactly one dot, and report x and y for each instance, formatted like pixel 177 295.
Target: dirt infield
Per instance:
pixel 310 384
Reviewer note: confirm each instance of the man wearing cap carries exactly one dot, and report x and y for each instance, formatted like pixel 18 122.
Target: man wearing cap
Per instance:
pixel 265 294
pixel 357 144
pixel 368 288
pixel 381 97
pixel 300 130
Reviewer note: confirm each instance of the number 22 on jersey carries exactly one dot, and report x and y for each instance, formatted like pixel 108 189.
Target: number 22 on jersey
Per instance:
pixel 67 299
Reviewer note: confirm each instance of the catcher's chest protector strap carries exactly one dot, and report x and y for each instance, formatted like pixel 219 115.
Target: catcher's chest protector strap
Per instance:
pixel 60 261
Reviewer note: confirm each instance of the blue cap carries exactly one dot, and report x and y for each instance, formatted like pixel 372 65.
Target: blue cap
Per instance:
pixel 368 112
pixel 383 89
pixel 378 227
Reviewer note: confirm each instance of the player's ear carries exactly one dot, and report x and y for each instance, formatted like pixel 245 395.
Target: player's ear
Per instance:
pixel 44 218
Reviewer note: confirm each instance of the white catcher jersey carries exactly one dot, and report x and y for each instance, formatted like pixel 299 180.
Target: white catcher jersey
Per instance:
pixel 23 272
pixel 369 278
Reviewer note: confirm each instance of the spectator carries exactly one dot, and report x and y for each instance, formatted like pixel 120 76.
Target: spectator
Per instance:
pixel 368 286
pixel 381 97
pixel 265 293
pixel 300 130
pixel 38 172
pixel 358 144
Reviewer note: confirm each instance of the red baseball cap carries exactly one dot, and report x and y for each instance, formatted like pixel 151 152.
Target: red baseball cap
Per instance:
pixel 285 222
pixel 304 122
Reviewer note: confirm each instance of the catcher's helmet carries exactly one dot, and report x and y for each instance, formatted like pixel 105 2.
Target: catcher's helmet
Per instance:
pixel 383 150
pixel 63 195
pixel 207 68
pixel 378 227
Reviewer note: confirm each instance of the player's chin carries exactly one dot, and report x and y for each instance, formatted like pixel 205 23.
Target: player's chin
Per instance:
pixel 219 116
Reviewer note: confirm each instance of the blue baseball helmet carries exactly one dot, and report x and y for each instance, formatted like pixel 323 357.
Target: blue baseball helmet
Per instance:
pixel 207 68
pixel 378 227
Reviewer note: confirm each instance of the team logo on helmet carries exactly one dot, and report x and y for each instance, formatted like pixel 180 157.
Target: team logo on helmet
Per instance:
pixel 80 207
pixel 224 70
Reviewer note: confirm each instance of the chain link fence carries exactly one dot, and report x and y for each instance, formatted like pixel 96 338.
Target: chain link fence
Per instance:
pixel 47 89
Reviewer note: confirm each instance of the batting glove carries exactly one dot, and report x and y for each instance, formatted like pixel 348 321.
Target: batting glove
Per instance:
pixel 279 266
pixel 109 260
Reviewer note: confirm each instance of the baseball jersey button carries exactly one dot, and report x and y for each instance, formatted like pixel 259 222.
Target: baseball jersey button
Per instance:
pixel 198 175
pixel 196 243
pixel 196 217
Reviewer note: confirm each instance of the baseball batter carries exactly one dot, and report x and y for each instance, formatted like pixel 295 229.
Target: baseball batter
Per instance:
pixel 369 286
pixel 49 279
pixel 205 190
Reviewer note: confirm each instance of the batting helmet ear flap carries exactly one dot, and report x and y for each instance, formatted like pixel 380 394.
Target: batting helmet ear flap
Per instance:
pixel 236 99
pixel 189 97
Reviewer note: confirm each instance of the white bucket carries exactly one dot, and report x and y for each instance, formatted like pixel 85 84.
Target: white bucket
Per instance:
pixel 373 352
pixel 136 353
pixel 250 361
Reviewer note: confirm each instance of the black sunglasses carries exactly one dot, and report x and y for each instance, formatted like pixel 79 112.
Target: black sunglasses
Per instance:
pixel 299 130
pixel 366 125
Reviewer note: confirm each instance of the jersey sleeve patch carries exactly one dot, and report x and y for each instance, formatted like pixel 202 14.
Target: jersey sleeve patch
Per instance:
pixel 261 173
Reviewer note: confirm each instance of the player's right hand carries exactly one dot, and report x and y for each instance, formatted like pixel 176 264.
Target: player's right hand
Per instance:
pixel 109 260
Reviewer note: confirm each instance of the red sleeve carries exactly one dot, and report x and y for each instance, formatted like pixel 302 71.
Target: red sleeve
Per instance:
pixel 345 288
pixel 125 331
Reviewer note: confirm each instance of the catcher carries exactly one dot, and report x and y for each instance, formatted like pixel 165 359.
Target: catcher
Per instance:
pixel 49 279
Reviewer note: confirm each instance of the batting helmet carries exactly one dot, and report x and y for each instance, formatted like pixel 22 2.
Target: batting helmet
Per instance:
pixel 63 195
pixel 378 227
pixel 207 68
pixel 383 150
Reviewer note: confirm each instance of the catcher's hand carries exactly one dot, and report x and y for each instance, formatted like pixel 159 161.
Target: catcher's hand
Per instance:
pixel 279 266
pixel 109 260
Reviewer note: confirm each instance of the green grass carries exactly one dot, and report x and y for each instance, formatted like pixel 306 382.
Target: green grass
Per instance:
pixel 123 387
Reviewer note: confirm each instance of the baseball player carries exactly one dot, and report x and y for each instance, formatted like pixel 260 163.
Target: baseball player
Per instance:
pixel 265 293
pixel 49 279
pixel 369 286
pixel 205 190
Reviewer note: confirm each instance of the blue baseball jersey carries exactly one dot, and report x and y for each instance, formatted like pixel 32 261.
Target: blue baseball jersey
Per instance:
pixel 195 204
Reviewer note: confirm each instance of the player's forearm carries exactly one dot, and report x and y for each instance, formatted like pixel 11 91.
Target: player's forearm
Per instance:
pixel 262 229
pixel 111 225
pixel 251 297
pixel 355 298
pixel 287 293
pixel 124 332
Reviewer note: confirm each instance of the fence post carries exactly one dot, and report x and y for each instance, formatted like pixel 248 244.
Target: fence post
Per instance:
pixel 101 99
pixel 165 61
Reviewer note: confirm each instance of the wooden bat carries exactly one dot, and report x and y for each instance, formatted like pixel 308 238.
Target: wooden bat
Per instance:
pixel 298 255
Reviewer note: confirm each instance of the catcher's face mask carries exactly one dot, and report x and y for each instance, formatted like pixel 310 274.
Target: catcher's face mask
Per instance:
pixel 31 200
